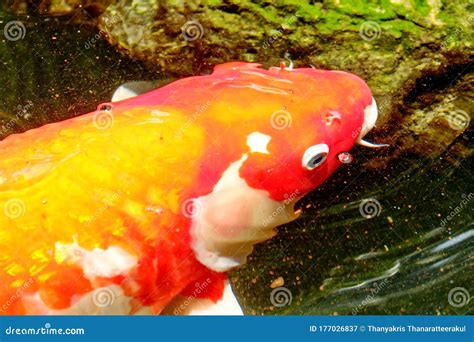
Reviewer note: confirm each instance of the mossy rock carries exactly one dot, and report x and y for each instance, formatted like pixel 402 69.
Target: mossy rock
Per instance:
pixel 89 8
pixel 390 45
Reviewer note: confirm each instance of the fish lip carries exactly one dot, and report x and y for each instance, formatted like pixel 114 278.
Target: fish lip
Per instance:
pixel 370 118
pixel 291 212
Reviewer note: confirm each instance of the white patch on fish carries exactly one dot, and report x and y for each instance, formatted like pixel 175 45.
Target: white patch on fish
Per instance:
pixel 107 263
pixel 135 88
pixel 233 218
pixel 370 117
pixel 258 142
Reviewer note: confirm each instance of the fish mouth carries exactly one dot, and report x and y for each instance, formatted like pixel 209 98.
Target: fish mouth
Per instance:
pixel 370 118
pixel 291 212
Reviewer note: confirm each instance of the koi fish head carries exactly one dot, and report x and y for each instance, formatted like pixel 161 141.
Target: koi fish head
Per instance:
pixel 298 124
pixel 302 144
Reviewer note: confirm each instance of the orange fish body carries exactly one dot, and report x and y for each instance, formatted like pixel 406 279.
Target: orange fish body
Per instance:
pixel 157 196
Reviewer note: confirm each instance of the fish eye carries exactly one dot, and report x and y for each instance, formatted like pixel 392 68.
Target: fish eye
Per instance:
pixel 315 156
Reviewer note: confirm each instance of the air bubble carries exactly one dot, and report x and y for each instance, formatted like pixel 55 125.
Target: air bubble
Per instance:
pixel 345 157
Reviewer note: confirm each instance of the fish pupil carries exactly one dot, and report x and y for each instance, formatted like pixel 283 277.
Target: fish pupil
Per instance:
pixel 316 160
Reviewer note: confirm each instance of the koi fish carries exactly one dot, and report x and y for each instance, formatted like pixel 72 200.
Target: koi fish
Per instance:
pixel 153 198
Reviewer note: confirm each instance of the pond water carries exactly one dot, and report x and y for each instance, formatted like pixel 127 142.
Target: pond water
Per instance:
pixel 398 246
pixel 391 240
